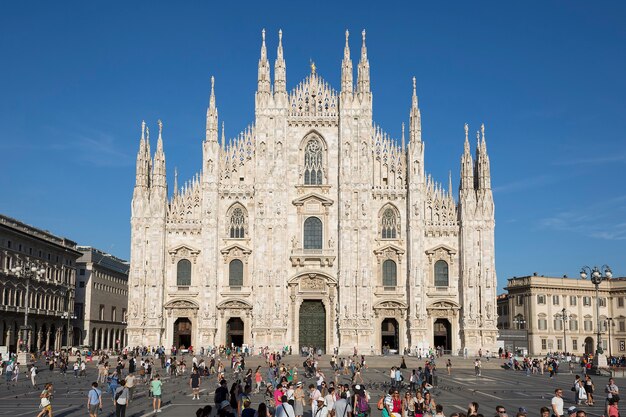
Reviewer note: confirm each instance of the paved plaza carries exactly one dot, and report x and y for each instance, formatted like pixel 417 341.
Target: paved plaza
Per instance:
pixel 496 387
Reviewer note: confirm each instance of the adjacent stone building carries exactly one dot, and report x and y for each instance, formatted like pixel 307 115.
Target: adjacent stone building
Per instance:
pixel 313 227
pixel 43 287
pixel 536 303
pixel 102 298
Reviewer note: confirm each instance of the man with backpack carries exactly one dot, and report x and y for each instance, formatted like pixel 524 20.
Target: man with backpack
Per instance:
pixel 94 400
pixel 341 407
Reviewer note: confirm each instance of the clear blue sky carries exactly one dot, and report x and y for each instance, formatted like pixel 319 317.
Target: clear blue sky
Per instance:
pixel 548 79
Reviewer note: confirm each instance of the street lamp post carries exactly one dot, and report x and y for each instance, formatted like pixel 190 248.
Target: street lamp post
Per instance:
pixel 26 270
pixel 564 317
pixel 69 316
pixel 597 277
pixel 609 324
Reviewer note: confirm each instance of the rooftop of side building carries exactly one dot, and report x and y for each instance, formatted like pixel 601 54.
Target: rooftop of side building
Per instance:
pixel 101 258
pixel 538 281
pixel 33 231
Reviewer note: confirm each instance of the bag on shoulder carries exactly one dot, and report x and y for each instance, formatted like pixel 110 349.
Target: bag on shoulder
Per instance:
pixel 118 394
pixel 381 403
pixel 362 404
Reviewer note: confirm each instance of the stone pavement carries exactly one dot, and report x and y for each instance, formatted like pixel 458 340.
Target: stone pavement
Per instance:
pixel 496 387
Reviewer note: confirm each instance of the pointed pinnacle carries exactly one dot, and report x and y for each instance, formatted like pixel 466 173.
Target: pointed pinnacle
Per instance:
pixel 160 123
pixel 212 97
pixel 143 129
pixel 363 48
pixel 263 49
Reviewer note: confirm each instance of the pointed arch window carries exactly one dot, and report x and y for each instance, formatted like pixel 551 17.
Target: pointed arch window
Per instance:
pixel 237 224
pixel 235 273
pixel 312 233
pixel 389 224
pixel 390 273
pixel 441 274
pixel 183 273
pixel 313 172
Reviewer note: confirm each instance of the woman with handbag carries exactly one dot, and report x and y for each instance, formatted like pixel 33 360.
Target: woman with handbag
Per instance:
pixel 419 404
pixel 408 405
pixel 589 389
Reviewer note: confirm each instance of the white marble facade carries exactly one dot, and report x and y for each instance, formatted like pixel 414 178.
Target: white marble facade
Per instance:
pixel 313 214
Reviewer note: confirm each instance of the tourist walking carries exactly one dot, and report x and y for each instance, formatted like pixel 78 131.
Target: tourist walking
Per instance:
pixel 557 403
pixel 155 387
pixel 16 372
pixel 94 400
pixel 589 389
pixel 33 375
pixel 194 383
pixel 612 391
pixel 121 399
pixel 45 401
pixel 299 400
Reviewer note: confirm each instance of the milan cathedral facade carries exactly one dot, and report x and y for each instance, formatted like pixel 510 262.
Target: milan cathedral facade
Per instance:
pixel 315 228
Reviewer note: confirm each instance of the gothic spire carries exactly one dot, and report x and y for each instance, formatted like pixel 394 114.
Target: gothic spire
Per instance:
pixel 158 173
pixel 403 143
pixel 467 165
pixel 148 157
pixel 223 136
pixel 346 68
pixel 415 117
pixel 280 68
pixel 141 175
pixel 211 115
pixel 264 69
pixel 482 161
pixel 175 181
pixel 363 83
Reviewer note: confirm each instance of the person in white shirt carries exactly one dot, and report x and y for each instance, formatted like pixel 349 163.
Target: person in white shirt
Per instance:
pixel 322 410
pixel 330 398
pixel 557 403
pixel 315 395
pixel 33 376
pixel 284 409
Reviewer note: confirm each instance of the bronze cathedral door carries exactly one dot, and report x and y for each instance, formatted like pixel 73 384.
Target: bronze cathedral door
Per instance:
pixel 313 325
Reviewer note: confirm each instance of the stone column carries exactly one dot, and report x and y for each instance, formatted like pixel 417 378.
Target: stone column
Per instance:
pixel 48 339
pixel 331 314
pixel 8 336
pixel 39 339
pixel 58 339
pixel 294 339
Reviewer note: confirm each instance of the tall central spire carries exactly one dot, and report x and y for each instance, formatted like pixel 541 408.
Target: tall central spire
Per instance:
pixel 467 166
pixel 363 83
pixel 264 69
pixel 346 68
pixel 158 173
pixel 280 68
pixel 415 117
pixel 211 116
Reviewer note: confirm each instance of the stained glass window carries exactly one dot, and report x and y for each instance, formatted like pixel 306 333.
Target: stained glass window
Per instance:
pixel 183 273
pixel 390 273
pixel 389 224
pixel 237 224
pixel 235 273
pixel 313 174
pixel 312 233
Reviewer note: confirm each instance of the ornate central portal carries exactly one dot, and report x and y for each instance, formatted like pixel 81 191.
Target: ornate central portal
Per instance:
pixel 312 325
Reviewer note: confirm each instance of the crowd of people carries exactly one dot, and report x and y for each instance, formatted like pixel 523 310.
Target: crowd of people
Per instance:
pixel 283 387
